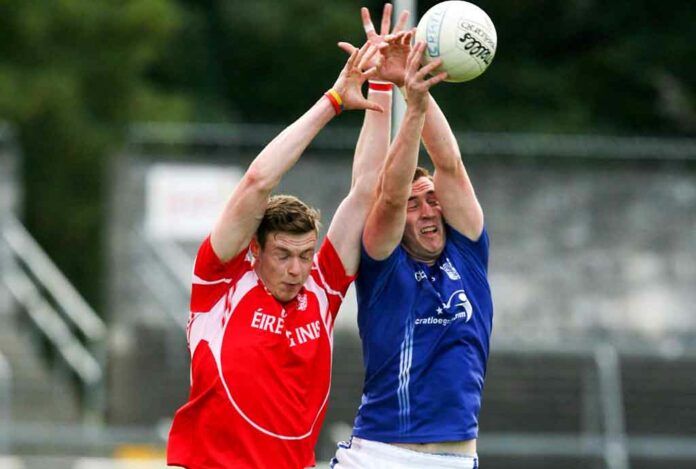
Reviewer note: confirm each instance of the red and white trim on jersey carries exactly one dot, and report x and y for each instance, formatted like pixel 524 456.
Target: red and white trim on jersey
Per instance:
pixel 260 371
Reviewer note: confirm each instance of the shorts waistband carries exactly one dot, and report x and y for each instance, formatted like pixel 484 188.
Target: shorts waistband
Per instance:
pixel 453 460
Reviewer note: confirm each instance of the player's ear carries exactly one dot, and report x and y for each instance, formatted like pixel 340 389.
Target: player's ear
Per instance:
pixel 254 246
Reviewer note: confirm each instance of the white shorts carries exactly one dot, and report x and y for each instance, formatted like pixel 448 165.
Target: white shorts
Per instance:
pixel 366 454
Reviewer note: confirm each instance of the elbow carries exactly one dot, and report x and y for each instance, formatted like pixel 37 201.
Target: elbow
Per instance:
pixel 392 195
pixel 451 165
pixel 393 200
pixel 255 178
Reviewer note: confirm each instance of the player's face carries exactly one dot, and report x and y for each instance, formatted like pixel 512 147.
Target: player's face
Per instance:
pixel 285 262
pixel 424 234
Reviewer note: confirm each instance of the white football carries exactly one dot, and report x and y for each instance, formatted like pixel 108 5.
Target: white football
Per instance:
pixel 462 35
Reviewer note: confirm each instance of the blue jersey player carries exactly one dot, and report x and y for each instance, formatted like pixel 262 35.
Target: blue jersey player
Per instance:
pixel 424 304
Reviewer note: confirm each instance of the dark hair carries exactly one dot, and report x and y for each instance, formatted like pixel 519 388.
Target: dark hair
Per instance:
pixel 421 172
pixel 288 214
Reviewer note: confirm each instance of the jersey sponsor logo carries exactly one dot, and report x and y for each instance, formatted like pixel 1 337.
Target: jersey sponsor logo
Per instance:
pixel 267 322
pixel 458 305
pixel 308 332
pixel 276 325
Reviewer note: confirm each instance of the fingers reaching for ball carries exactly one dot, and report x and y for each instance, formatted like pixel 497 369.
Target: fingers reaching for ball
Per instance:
pixel 357 70
pixel 418 79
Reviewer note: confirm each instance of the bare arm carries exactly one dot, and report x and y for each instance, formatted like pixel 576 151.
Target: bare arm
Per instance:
pixel 244 210
pixel 385 223
pixel 453 187
pixel 348 222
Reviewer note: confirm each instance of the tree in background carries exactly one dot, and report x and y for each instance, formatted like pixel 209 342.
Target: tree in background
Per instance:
pixel 561 65
pixel 259 61
pixel 585 67
pixel 71 76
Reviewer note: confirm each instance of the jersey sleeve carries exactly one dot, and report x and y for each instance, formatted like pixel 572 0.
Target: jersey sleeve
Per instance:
pixel 332 275
pixel 212 277
pixel 373 274
pixel 478 248
pixel 331 268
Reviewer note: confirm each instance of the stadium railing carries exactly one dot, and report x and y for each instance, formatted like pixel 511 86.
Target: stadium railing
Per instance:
pixel 164 260
pixel 607 437
pixel 58 312
pixel 607 441
pixel 143 137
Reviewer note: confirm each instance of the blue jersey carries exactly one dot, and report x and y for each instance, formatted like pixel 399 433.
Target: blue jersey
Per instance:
pixel 425 332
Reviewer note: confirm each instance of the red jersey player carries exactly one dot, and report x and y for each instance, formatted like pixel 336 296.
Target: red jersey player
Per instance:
pixel 263 301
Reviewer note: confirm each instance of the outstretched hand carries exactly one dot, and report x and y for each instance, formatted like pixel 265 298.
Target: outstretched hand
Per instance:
pixel 392 60
pixel 416 82
pixel 394 57
pixel 354 73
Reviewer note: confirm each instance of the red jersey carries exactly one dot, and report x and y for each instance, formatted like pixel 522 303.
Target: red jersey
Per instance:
pixel 260 369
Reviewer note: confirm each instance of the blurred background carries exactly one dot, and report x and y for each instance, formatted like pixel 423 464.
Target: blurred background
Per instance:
pixel 125 124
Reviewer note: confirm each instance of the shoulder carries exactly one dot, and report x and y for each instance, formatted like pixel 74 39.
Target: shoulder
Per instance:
pixel 466 247
pixel 328 270
pixel 373 267
pixel 209 267
pixel 376 277
pixel 460 240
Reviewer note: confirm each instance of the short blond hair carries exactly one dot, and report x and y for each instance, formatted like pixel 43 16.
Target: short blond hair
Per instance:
pixel 288 214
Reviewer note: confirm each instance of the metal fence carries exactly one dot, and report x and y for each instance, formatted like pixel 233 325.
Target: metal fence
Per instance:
pixel 57 311
pixel 54 310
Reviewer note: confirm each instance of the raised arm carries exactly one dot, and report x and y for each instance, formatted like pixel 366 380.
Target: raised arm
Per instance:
pixel 384 227
pixel 244 210
pixel 452 185
pixel 348 222
pixel 453 188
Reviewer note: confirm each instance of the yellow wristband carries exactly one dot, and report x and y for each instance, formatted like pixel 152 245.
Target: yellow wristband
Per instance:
pixel 336 96
pixel 335 100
